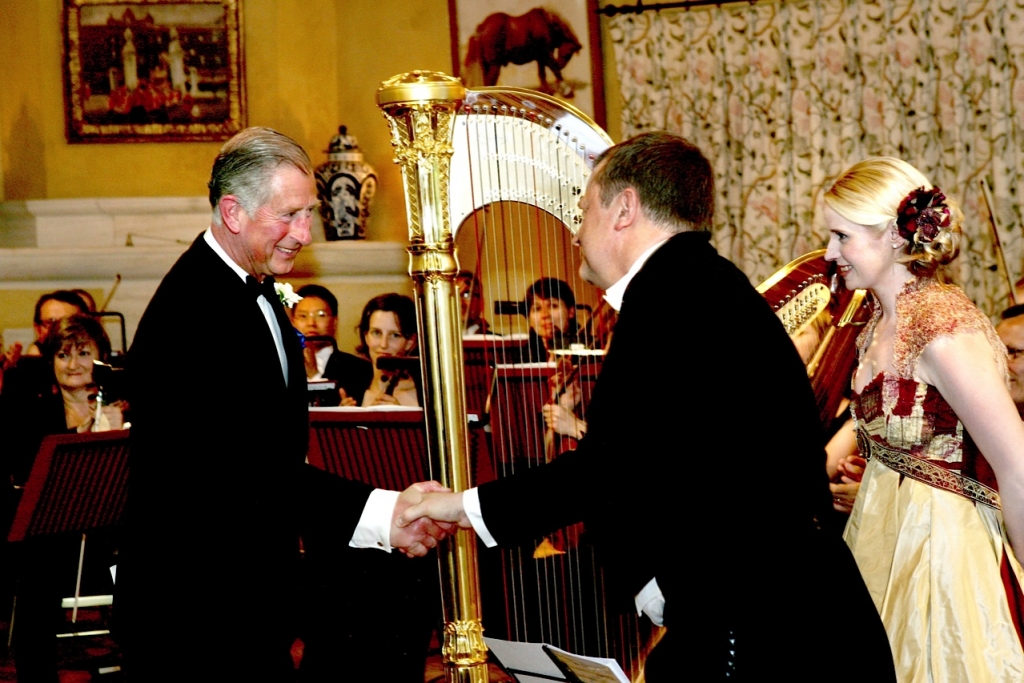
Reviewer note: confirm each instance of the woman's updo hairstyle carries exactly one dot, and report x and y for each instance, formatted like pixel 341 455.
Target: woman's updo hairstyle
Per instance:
pixel 75 332
pixel 883 192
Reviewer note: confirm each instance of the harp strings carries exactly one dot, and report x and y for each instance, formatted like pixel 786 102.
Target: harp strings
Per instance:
pixel 520 239
pixel 528 179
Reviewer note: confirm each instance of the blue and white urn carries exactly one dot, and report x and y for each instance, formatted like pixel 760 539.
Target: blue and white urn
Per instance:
pixel 346 185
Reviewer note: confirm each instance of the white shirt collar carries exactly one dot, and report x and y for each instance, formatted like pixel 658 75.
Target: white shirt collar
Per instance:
pixel 219 251
pixel 613 295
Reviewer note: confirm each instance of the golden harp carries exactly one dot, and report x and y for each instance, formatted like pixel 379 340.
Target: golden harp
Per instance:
pixel 468 156
pixel 823 318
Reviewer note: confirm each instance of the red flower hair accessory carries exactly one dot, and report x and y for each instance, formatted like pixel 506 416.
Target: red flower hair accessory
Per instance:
pixel 922 215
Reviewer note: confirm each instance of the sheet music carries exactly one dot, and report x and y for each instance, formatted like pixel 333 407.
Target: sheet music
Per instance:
pixel 536 663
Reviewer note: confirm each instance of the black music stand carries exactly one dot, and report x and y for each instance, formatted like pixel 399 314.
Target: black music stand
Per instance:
pixel 520 391
pixel 386 448
pixel 554 596
pixel 78 483
pixel 480 353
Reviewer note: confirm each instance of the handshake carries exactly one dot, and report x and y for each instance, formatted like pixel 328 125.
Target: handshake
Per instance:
pixel 425 514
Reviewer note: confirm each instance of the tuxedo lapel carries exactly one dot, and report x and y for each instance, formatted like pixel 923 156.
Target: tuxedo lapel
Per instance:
pixel 252 330
pixel 292 345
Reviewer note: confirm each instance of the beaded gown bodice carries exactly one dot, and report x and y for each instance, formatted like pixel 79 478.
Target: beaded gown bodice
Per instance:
pixel 909 419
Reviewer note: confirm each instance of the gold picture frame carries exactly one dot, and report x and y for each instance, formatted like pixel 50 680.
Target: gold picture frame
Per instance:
pixel 153 70
pixel 540 33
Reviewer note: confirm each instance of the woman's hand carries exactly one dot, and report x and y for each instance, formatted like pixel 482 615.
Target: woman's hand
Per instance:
pixel 844 495
pixel 852 468
pixel 563 421
pixel 114 415
pixel 383 399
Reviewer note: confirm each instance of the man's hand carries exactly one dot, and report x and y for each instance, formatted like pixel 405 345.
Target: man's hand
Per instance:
pixel 439 507
pixel 11 355
pixel 417 538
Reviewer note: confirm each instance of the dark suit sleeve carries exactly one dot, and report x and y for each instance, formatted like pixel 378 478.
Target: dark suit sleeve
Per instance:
pixel 702 402
pixel 219 440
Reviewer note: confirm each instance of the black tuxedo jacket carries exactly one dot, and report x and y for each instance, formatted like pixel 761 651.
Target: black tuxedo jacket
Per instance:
pixel 219 489
pixel 704 467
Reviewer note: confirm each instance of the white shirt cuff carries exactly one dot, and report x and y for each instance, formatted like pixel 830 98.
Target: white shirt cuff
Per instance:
pixel 471 505
pixel 374 527
pixel 651 601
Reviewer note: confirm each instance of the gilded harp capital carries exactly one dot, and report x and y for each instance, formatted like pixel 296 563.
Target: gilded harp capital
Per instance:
pixel 420 107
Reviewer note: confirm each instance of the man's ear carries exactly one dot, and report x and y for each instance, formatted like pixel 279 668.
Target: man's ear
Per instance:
pixel 231 211
pixel 627 204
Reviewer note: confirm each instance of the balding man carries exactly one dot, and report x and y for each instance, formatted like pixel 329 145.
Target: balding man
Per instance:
pixel 668 486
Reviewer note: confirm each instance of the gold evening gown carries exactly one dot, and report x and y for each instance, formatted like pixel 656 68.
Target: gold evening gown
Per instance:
pixel 926 529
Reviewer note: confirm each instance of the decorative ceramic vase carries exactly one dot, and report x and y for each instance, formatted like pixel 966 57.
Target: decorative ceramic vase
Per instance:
pixel 346 185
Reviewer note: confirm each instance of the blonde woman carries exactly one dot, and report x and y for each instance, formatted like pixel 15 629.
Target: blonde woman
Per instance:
pixel 942 497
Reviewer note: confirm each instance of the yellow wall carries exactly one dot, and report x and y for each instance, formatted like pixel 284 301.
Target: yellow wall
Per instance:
pixel 310 66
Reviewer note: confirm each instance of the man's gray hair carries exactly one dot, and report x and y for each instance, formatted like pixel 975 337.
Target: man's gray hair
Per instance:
pixel 246 165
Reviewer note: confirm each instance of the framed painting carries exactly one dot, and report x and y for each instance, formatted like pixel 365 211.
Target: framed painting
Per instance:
pixel 528 44
pixel 153 70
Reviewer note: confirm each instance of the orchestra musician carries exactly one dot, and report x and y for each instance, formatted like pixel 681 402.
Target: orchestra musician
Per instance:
pixel 681 526
pixel 315 316
pixel 387 327
pixel 46 564
pixel 219 491
pixel 471 304
pixel 551 312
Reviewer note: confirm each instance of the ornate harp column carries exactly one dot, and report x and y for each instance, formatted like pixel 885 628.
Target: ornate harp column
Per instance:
pixel 420 108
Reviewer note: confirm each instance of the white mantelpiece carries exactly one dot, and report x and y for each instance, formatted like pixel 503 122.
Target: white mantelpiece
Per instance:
pixel 65 243
pixel 101 222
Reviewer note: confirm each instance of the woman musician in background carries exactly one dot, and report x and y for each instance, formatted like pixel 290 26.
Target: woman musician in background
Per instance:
pixel 47 565
pixel 942 497
pixel 387 327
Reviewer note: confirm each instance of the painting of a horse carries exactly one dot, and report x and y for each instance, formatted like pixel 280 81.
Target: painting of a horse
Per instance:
pixel 539 35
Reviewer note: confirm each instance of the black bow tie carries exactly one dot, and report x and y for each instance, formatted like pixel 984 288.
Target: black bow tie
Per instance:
pixel 266 288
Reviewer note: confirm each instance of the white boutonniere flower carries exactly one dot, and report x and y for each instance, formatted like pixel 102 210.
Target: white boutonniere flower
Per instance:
pixel 286 294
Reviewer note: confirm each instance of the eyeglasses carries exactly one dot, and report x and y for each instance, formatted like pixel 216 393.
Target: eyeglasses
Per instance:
pixel 313 315
pixel 1013 353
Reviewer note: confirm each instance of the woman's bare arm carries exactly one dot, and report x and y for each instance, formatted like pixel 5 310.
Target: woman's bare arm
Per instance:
pixel 963 369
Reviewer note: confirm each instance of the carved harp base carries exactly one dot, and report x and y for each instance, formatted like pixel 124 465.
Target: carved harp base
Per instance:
pixel 464 652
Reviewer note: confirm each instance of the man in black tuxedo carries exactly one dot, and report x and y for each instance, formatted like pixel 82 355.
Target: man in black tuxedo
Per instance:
pixel 219 491
pixel 702 478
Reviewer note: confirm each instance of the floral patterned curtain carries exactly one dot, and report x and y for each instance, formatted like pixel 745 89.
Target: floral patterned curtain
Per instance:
pixel 783 96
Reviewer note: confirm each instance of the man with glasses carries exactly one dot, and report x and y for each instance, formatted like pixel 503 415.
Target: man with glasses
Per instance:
pixel 316 318
pixel 1011 332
